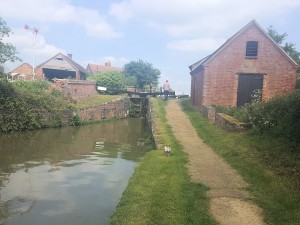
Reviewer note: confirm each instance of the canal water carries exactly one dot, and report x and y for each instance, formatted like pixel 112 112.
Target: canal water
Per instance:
pixel 69 175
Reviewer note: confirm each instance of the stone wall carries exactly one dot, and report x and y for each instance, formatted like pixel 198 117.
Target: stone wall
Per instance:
pixel 55 118
pixel 229 123
pixel 209 112
pixel 114 109
pixel 153 124
pixel 223 120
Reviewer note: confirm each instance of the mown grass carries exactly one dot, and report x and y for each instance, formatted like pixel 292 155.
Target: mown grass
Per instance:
pixel 269 165
pixel 160 191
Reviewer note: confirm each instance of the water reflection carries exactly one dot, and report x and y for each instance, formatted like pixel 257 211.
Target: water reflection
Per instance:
pixel 71 175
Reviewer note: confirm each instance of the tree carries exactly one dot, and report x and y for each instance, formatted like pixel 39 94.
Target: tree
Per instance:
pixel 144 73
pixel 112 80
pixel 7 51
pixel 289 48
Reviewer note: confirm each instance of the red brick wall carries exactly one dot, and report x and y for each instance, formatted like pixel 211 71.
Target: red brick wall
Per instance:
pixel 221 74
pixel 39 73
pixel 76 90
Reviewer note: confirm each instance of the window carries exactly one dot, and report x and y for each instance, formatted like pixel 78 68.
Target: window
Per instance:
pixel 59 58
pixel 251 49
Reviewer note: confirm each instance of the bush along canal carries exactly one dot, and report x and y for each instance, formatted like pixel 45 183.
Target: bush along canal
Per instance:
pixel 69 175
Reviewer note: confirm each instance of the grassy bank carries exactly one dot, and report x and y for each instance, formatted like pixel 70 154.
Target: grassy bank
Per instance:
pixel 271 167
pixel 160 191
pixel 98 100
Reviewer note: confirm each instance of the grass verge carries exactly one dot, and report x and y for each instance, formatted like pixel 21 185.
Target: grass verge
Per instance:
pixel 265 163
pixel 160 191
pixel 99 99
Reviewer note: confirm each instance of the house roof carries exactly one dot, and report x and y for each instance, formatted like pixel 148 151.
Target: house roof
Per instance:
pixel 24 68
pixel 205 60
pixel 95 68
pixel 62 62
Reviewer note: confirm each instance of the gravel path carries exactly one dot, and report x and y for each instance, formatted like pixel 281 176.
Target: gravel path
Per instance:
pixel 230 202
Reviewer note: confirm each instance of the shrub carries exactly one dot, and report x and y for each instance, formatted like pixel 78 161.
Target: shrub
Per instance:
pixel 280 117
pixel 22 102
pixel 75 120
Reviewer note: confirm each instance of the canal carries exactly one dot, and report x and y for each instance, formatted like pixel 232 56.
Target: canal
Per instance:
pixel 69 175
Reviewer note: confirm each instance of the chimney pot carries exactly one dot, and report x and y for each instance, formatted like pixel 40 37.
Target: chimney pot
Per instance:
pixel 108 63
pixel 70 56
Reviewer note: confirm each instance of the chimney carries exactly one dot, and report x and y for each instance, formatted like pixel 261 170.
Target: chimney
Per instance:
pixel 108 63
pixel 70 56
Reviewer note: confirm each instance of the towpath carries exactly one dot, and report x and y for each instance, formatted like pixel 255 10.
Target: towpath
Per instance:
pixel 230 202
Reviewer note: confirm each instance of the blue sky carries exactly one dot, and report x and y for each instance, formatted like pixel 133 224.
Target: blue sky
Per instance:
pixel 170 34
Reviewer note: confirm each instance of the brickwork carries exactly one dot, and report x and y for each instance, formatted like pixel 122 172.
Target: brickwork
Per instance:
pixel 76 90
pixel 217 82
pixel 114 109
pixel 25 70
pixel 39 73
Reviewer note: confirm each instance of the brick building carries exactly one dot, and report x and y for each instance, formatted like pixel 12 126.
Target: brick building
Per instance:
pixel 247 62
pixel 22 72
pixel 60 67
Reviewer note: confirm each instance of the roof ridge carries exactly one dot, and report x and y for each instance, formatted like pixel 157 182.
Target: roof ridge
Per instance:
pixel 233 37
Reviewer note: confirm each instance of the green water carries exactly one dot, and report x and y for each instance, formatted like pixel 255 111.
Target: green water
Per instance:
pixel 70 175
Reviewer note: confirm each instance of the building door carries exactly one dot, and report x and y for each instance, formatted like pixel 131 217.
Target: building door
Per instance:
pixel 248 83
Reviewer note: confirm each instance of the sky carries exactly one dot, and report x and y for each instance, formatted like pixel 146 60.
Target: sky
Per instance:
pixel 169 34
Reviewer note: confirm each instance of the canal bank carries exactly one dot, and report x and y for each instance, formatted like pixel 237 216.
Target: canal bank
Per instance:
pixel 18 118
pixel 160 190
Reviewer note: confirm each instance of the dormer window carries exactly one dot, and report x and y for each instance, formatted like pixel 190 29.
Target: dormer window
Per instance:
pixel 251 49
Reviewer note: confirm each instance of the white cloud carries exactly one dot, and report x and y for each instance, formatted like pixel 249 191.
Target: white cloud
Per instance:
pixel 59 11
pixel 196 45
pixel 121 11
pixel 31 48
pixel 195 17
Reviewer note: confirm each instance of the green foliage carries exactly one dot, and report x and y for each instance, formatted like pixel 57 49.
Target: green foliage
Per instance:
pixel 279 117
pixel 278 38
pixel 75 120
pixel 130 81
pixel 7 51
pixel 23 102
pixel 35 86
pixel 290 48
pixel 112 80
pixel 144 73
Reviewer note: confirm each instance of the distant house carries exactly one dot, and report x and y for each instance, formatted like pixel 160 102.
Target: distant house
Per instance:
pixel 60 67
pixel 250 61
pixel 22 72
pixel 95 68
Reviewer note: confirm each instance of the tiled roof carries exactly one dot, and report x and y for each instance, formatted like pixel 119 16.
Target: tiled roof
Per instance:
pixel 62 62
pixel 95 68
